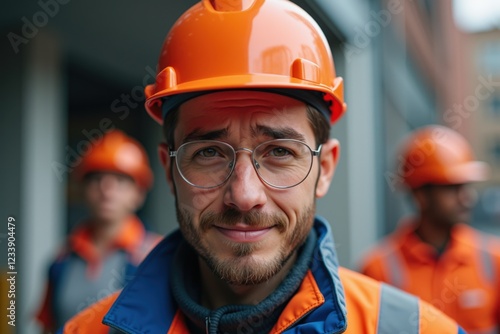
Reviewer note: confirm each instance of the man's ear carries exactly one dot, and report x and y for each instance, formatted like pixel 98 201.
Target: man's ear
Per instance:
pixel 166 161
pixel 330 154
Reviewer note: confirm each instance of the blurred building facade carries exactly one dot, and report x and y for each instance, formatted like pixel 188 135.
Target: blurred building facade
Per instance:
pixel 481 108
pixel 73 70
pixel 422 78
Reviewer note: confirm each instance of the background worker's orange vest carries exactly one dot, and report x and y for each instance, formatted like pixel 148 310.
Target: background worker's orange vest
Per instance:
pixel 463 282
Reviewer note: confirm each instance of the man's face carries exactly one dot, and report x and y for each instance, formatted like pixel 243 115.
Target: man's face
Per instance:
pixel 245 230
pixel 111 197
pixel 448 205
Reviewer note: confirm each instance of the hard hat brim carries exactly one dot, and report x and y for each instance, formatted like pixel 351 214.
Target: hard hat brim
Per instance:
pixel 252 81
pixel 474 171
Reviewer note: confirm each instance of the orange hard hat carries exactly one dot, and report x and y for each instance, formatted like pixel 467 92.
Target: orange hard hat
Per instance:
pixel 438 155
pixel 119 153
pixel 270 45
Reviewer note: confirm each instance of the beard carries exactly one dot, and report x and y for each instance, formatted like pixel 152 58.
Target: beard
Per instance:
pixel 242 268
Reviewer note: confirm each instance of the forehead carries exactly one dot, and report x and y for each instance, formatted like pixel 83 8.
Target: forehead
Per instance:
pixel 245 110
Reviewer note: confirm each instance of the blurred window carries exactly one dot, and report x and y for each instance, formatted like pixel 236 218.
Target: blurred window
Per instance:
pixel 489 60
pixel 496 150
pixel 495 105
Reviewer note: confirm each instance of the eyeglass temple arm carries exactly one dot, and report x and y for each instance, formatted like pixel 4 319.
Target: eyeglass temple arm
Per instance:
pixel 318 151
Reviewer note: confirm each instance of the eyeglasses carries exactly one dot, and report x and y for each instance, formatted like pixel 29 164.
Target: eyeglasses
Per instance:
pixel 280 163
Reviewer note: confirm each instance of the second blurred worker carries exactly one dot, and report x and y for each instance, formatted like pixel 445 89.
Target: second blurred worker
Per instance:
pixel 434 254
pixel 102 253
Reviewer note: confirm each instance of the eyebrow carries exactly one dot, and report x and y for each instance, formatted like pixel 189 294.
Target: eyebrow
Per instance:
pixel 198 134
pixel 272 132
pixel 278 133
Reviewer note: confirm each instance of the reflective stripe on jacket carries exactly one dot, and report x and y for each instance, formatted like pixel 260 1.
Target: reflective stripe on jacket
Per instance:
pixel 329 300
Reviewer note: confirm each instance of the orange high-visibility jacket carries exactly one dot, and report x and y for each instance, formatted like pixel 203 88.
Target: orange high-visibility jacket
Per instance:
pixel 329 300
pixel 463 282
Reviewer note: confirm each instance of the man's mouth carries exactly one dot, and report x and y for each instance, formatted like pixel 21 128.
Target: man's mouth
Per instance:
pixel 244 233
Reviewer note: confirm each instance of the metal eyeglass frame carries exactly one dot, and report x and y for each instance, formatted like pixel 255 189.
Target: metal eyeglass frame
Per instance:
pixel 314 153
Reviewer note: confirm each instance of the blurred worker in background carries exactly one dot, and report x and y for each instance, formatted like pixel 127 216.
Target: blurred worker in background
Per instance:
pixel 434 254
pixel 246 93
pixel 102 253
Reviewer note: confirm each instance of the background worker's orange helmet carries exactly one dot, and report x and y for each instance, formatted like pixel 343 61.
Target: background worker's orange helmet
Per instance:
pixel 438 155
pixel 116 152
pixel 270 45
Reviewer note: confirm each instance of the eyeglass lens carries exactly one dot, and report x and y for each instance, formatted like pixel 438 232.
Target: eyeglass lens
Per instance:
pixel 280 163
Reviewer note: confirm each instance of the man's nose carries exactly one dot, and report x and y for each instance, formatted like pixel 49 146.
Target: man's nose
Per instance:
pixel 244 190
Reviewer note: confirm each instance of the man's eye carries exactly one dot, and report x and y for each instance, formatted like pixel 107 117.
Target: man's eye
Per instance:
pixel 279 152
pixel 207 152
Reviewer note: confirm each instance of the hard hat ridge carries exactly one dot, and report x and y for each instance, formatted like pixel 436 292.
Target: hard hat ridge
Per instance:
pixel 231 5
